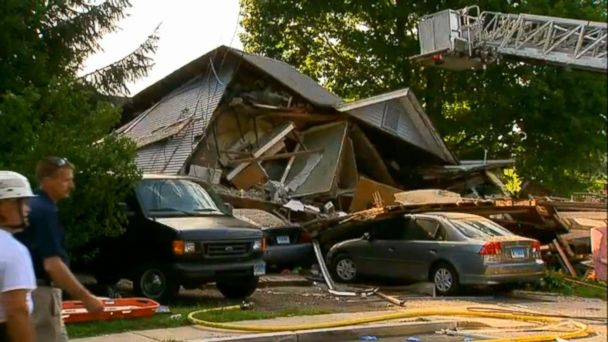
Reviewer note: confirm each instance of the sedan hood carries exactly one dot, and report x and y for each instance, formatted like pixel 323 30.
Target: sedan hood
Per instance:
pixel 211 227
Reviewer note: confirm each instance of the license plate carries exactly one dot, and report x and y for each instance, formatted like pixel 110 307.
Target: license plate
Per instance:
pixel 283 239
pixel 259 269
pixel 518 253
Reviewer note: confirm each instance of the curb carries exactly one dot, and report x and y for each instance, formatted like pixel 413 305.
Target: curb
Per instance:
pixel 344 333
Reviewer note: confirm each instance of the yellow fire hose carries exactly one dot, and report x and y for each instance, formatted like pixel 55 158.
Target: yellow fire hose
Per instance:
pixel 581 330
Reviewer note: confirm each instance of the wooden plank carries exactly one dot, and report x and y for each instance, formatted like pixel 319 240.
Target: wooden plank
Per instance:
pixel 252 175
pixel 303 117
pixel 363 198
pixel 390 299
pixel 268 142
pixel 564 258
pixel 566 246
pixel 289 165
pixel 277 156
pixel 369 158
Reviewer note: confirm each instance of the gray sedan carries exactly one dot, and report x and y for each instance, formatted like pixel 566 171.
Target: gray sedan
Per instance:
pixel 449 249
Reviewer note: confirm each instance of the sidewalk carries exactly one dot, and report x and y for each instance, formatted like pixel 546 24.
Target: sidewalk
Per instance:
pixel 196 334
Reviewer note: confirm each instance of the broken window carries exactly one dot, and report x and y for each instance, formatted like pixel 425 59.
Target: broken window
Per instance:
pixel 390 117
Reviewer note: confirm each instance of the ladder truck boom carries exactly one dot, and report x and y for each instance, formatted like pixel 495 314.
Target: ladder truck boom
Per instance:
pixel 469 39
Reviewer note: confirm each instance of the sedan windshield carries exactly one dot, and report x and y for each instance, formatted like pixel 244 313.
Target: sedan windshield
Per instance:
pixel 479 228
pixel 175 196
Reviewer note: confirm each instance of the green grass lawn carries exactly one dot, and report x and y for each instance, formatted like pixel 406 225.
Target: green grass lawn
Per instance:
pixel 171 320
pixel 555 281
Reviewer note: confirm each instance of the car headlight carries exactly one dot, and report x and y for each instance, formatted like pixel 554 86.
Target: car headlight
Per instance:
pixel 189 247
pixel 259 245
pixel 181 247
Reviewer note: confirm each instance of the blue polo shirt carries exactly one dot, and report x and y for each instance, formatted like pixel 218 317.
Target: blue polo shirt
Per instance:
pixel 45 237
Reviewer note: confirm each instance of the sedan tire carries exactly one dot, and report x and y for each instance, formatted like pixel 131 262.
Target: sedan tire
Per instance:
pixel 445 278
pixel 344 268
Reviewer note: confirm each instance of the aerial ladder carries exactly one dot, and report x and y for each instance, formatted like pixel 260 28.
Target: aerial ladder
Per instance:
pixel 470 39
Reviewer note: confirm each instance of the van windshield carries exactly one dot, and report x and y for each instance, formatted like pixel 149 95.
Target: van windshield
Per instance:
pixel 175 197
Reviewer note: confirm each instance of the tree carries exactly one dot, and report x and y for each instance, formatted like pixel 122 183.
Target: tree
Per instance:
pixel 552 120
pixel 47 110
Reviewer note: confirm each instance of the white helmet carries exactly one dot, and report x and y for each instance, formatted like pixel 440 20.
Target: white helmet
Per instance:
pixel 14 185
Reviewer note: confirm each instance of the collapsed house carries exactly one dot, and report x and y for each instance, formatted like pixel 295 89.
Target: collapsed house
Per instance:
pixel 263 131
pixel 269 137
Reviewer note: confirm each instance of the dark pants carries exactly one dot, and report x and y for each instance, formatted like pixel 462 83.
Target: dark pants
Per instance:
pixel 3 333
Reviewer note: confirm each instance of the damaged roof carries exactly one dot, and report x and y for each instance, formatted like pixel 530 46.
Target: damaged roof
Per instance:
pixel 174 112
pixel 398 113
pixel 292 79
pixel 282 72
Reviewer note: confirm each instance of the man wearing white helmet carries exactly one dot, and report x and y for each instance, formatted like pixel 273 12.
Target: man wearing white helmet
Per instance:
pixel 17 279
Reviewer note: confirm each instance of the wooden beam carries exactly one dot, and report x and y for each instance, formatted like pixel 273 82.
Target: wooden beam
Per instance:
pixel 303 117
pixel 566 246
pixel 564 258
pixel 298 138
pixel 289 165
pixel 276 156
pixel 238 153
pixel 269 141
pixel 390 299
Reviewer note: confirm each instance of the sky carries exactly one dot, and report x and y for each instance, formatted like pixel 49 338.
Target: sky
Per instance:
pixel 188 29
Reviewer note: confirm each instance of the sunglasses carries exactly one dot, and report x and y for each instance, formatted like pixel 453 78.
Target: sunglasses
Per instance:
pixel 59 162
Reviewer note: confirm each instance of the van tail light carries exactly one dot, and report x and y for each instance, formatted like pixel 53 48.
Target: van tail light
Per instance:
pixel 305 237
pixel 491 252
pixel 536 249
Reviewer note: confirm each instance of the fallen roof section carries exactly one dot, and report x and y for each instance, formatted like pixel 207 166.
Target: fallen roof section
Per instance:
pixel 399 114
pixel 278 70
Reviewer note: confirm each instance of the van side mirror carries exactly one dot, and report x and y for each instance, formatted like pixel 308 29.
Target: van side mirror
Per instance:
pixel 124 207
pixel 229 208
pixel 367 236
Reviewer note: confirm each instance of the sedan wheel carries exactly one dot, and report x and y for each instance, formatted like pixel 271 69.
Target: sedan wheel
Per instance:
pixel 445 279
pixel 345 269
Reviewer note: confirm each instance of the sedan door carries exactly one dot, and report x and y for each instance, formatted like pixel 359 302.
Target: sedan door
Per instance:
pixel 418 248
pixel 382 257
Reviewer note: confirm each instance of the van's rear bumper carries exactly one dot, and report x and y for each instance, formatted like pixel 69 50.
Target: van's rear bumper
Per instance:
pixel 210 271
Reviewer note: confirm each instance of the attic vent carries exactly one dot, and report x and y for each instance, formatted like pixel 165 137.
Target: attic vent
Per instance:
pixel 390 118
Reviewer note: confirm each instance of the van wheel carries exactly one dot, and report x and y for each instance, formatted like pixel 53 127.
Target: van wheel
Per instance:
pixel 154 282
pixel 237 287
pixel 445 278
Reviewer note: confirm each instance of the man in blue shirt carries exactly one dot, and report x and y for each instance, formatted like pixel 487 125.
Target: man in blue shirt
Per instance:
pixel 45 241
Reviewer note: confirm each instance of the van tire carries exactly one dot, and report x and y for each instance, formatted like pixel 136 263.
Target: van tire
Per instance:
pixel 237 287
pixel 156 283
